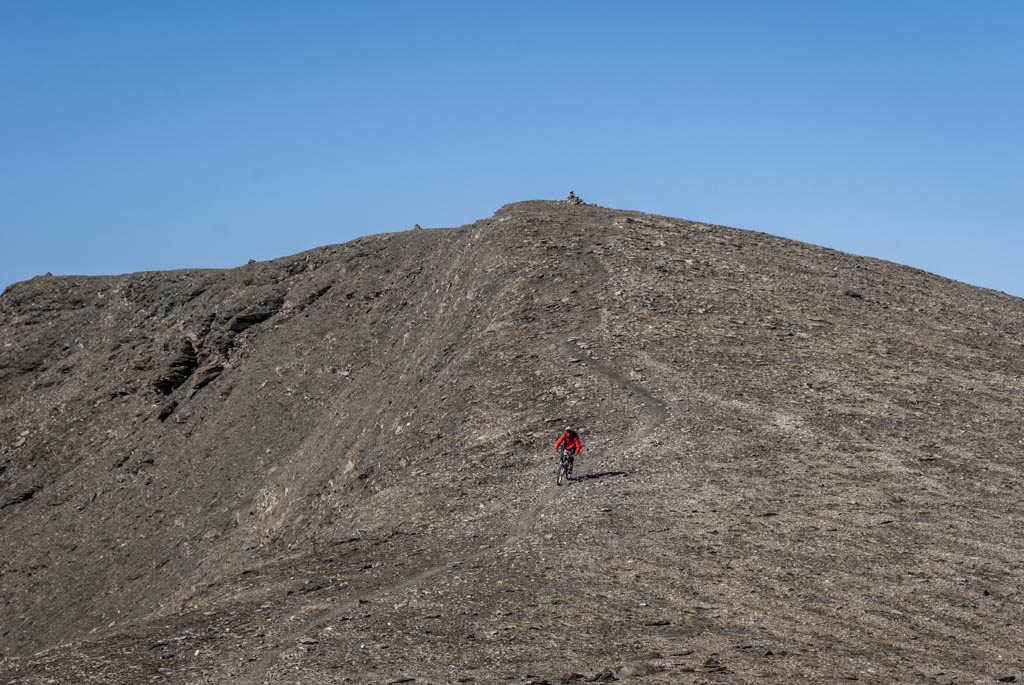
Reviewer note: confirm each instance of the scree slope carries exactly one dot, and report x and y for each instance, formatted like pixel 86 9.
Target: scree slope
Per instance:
pixel 799 465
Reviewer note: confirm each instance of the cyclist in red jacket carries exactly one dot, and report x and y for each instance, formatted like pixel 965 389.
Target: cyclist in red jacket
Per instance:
pixel 571 442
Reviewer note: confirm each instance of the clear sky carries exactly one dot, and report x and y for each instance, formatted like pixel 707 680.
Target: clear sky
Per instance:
pixel 142 135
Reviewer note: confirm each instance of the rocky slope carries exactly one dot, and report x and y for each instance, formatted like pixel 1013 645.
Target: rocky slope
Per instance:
pixel 799 465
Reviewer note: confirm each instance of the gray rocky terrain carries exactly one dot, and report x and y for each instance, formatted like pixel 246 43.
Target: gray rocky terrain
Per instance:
pixel 799 465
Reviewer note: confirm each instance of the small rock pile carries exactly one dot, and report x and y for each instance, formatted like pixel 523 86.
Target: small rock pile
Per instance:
pixel 573 199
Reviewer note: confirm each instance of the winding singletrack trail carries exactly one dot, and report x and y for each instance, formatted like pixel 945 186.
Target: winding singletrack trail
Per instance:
pixel 654 416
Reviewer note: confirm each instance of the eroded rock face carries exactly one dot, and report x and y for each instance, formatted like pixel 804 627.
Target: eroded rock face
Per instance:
pixel 797 463
pixel 178 367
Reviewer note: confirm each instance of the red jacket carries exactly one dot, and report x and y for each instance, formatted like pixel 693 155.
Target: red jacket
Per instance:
pixel 572 443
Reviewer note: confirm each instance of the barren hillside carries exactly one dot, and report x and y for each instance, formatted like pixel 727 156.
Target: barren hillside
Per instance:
pixel 799 465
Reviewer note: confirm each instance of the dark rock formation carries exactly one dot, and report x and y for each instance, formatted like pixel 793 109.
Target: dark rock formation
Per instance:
pixel 178 368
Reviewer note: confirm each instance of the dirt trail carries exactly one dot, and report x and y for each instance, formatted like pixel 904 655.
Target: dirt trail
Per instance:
pixel 654 416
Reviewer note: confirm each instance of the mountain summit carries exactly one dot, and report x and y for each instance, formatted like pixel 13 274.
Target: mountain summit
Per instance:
pixel 798 465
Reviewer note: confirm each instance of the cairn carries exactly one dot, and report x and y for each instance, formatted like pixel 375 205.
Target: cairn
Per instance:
pixel 573 199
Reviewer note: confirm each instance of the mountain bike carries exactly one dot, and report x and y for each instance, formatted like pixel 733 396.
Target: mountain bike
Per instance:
pixel 564 461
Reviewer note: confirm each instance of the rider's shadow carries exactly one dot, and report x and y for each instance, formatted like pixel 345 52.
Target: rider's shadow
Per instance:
pixel 605 474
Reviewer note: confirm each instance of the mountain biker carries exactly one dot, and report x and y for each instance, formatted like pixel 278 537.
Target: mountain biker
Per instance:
pixel 571 442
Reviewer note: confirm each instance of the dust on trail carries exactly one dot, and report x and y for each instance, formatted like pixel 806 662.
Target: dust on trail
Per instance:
pixel 654 416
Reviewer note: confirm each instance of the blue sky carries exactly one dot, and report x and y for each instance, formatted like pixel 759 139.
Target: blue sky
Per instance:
pixel 145 135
